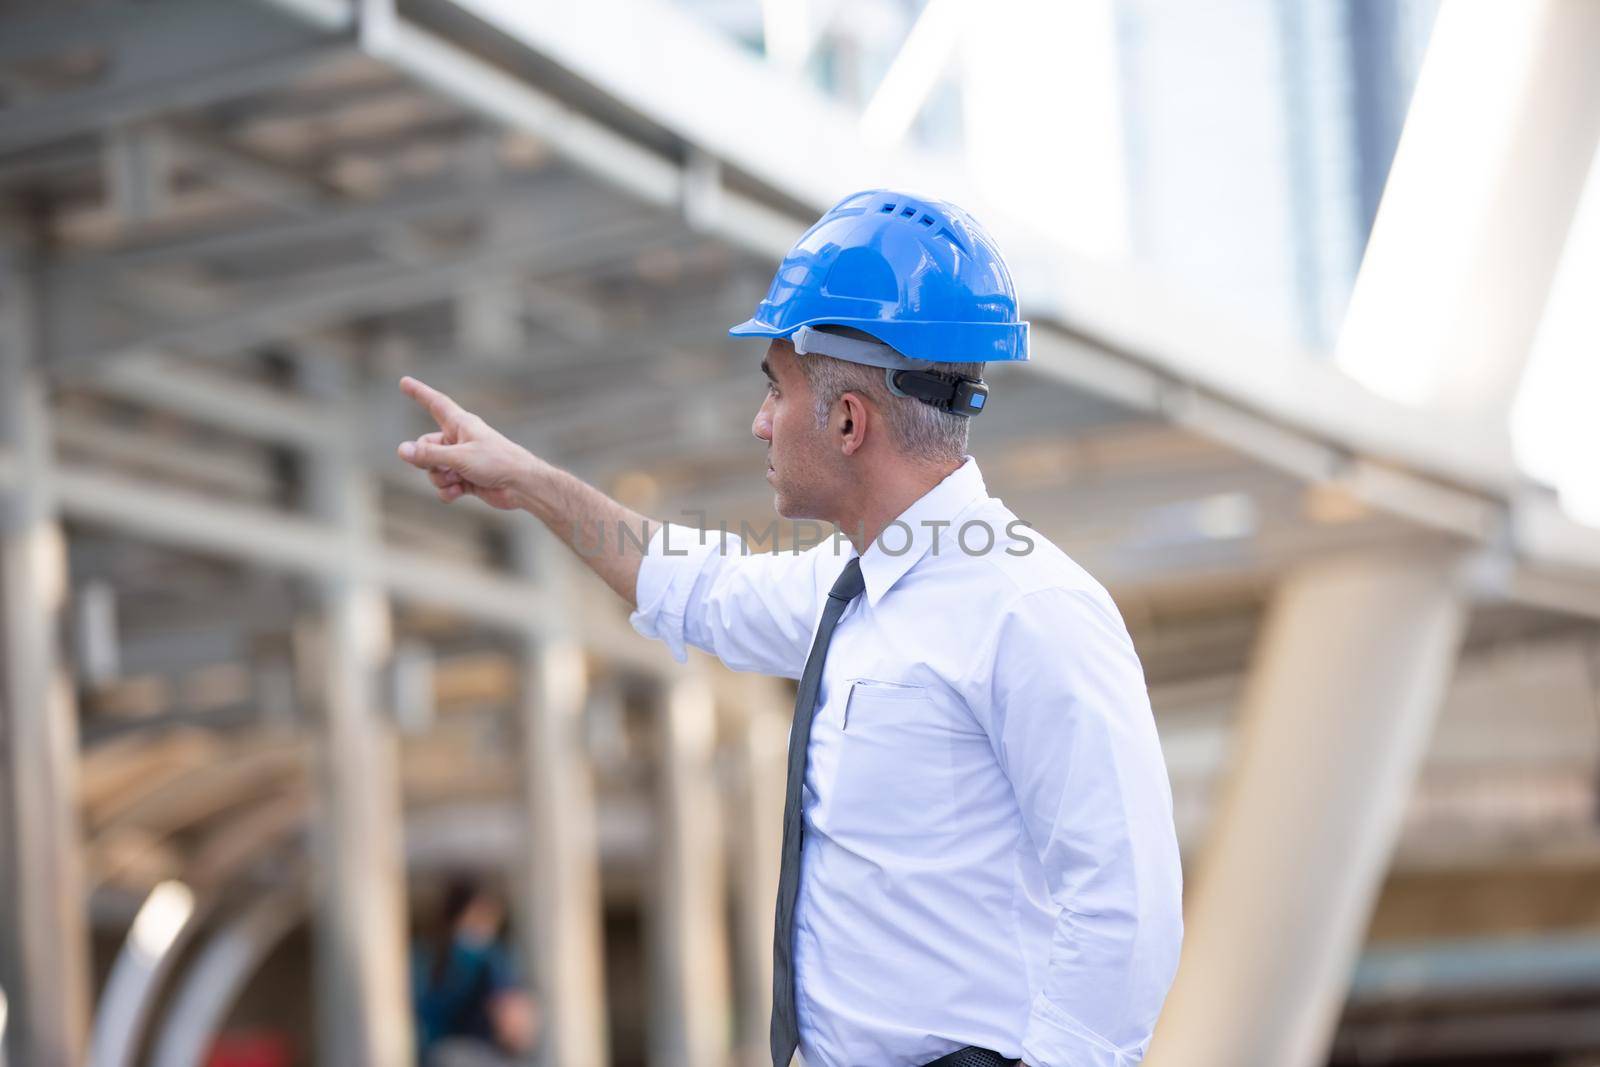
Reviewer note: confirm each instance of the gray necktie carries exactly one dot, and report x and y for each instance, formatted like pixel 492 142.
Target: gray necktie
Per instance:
pixel 785 1029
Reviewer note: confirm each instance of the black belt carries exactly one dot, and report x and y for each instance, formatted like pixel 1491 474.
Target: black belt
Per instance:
pixel 973 1056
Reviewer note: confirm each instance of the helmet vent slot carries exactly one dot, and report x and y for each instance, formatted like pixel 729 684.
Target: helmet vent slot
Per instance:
pixel 886 208
pixel 907 212
pixel 926 220
pixel 944 231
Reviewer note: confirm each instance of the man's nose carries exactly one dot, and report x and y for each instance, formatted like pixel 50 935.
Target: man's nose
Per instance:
pixel 762 426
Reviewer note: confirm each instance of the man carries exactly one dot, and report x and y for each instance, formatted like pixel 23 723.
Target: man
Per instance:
pixel 979 862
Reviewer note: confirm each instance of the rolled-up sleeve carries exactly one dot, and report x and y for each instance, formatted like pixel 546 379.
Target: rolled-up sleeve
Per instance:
pixel 1070 721
pixel 754 611
pixel 672 563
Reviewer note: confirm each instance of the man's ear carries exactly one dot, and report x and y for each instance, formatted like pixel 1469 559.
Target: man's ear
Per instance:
pixel 851 422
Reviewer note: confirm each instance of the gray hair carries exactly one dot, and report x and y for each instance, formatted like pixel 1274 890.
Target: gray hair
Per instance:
pixel 918 428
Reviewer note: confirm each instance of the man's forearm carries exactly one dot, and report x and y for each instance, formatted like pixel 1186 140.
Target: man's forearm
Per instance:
pixel 608 536
pixel 467 455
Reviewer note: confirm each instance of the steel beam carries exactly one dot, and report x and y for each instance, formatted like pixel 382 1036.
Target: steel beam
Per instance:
pixel 592 146
pixel 184 55
pixel 567 243
pixel 1556 1034
pixel 214 399
pixel 44 950
pixel 45 164
pixel 75 271
pixel 237 168
pixel 1347 680
pixel 1556 964
pixel 197 523
pixel 51 31
pixel 646 69
pixel 462 76
pixel 558 855
pixel 240 470
pixel 329 15
pixel 145 38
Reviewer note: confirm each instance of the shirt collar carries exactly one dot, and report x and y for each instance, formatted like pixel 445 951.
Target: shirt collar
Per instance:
pixel 884 563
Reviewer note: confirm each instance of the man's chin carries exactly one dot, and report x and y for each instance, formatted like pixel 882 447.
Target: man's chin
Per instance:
pixel 788 508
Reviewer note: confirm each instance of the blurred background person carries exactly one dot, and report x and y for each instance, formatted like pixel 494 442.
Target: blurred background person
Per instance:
pixel 471 1007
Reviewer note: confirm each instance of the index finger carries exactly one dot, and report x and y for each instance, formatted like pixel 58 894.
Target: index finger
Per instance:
pixel 442 408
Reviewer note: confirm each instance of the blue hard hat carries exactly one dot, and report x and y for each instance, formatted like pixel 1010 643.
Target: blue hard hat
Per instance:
pixel 920 275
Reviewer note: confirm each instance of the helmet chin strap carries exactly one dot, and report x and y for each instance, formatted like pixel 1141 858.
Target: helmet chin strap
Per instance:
pixel 916 378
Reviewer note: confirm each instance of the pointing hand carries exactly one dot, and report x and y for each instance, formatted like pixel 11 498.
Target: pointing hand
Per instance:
pixel 466 455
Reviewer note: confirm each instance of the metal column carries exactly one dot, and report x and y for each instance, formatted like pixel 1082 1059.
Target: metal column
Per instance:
pixel 689 1006
pixel 44 948
pixel 1337 714
pixel 558 857
pixel 363 987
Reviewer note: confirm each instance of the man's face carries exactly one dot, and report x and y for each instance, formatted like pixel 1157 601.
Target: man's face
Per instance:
pixel 799 463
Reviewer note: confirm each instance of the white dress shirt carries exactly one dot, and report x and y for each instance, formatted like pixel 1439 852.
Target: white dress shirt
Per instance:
pixel 989 852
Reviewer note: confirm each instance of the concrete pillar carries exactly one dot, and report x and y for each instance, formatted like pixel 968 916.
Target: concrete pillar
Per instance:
pixel 1337 714
pixel 1498 141
pixel 43 941
pixel 138 172
pixel 558 863
pixel 690 1016
pixel 361 921
pixel 755 842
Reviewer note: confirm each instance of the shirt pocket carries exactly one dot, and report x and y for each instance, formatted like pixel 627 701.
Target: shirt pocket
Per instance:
pixel 891 699
pixel 899 766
